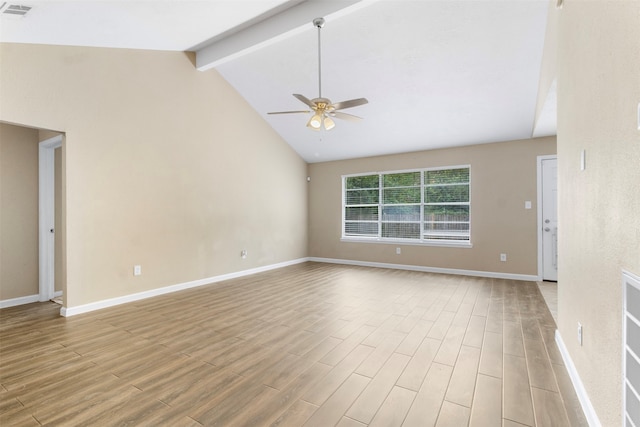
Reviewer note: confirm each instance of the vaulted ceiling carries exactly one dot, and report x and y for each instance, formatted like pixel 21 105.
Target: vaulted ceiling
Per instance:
pixel 436 73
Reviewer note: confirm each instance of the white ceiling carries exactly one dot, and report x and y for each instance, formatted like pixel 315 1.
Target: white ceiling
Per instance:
pixel 436 73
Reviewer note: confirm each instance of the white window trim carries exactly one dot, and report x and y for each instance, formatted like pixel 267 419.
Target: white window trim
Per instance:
pixel 412 242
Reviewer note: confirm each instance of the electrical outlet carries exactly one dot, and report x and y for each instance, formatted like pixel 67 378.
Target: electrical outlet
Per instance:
pixel 580 333
pixel 243 253
pixel 503 257
pixel 137 270
pixel 398 251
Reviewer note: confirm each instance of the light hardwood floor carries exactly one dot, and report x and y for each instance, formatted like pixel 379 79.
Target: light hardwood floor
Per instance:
pixel 312 344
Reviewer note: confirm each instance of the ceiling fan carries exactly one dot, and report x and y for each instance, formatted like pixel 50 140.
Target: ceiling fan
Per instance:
pixel 323 109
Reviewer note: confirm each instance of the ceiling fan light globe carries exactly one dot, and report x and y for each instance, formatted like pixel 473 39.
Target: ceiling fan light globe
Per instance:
pixel 315 122
pixel 329 123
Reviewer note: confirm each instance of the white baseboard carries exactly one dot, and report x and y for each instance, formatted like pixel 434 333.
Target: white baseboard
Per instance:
pixel 19 301
pixel 24 300
pixel 72 311
pixel 495 275
pixel 583 397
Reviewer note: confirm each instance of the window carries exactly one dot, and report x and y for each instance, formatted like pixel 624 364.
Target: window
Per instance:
pixel 421 206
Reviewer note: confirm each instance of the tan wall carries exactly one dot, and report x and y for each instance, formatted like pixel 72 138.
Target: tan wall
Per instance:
pixel 599 208
pixel 503 177
pixel 18 212
pixel 165 166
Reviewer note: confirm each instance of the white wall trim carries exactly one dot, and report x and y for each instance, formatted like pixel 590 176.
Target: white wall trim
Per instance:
pixel 583 397
pixel 492 274
pixel 72 311
pixel 19 301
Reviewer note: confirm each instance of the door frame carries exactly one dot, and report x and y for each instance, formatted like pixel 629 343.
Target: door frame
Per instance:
pixel 540 220
pixel 46 216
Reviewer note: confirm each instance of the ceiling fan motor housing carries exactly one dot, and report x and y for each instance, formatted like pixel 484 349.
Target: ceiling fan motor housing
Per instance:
pixel 322 104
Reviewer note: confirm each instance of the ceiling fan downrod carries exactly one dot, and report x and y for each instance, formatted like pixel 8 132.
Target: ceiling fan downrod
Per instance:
pixel 319 23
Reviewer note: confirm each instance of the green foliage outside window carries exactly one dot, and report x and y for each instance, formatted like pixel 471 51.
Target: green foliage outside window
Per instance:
pixel 446 176
pixel 366 181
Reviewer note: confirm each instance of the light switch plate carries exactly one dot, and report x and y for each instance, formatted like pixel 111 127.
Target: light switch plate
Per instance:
pixel 527 204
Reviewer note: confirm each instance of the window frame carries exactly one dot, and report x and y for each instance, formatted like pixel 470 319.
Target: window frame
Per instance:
pixel 395 240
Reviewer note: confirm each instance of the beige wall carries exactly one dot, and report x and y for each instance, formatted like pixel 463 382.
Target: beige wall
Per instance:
pixel 165 166
pixel 18 212
pixel 503 177
pixel 599 208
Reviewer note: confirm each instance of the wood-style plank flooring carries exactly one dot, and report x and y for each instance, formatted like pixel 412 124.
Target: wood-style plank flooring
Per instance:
pixel 307 345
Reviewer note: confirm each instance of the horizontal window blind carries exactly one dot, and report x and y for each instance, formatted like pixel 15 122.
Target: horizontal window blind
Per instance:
pixel 418 205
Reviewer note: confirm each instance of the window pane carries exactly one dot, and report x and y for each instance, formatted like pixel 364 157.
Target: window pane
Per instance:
pixel 446 213
pixel 438 236
pixel 365 213
pixel 401 195
pixel 362 197
pixel 453 227
pixel 401 230
pixel 361 229
pixel 422 205
pixel 446 230
pixel 367 181
pixel 446 176
pixel 401 213
pixel 446 194
pixel 405 179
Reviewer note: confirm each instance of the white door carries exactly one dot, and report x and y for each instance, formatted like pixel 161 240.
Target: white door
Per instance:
pixel 550 219
pixel 46 215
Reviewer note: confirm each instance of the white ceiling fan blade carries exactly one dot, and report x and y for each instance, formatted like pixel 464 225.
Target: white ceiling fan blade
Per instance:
pixel 350 103
pixel 289 112
pixel 345 116
pixel 305 100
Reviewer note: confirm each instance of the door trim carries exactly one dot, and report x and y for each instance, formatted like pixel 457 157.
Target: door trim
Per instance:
pixel 46 216
pixel 539 177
